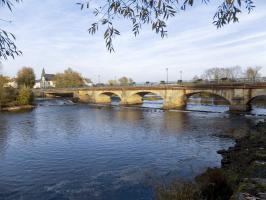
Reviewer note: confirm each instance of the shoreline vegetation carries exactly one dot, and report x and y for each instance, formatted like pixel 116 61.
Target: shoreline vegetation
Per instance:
pixel 13 100
pixel 242 175
pixel 18 108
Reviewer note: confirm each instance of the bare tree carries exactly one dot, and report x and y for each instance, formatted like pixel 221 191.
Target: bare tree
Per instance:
pixel 113 82
pixel 195 78
pixel 125 81
pixel 252 73
pixel 219 73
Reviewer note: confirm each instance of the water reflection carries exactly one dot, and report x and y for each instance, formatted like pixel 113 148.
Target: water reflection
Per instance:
pixel 258 105
pixel 198 103
pixel 84 152
pixel 3 136
pixel 211 104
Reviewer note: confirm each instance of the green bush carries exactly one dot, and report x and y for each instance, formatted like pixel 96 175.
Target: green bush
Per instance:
pixel 25 96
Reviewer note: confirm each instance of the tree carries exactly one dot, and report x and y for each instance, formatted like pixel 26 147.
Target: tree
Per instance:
pixel 25 96
pixel 252 73
pixel 125 81
pixel 219 73
pixel 195 78
pixel 3 80
pixel 7 45
pixel 68 79
pixel 113 82
pixel 154 13
pixel 26 77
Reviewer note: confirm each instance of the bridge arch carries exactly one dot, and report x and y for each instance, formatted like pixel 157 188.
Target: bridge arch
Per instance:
pixel 106 97
pixel 256 98
pixel 209 94
pixel 257 104
pixel 207 101
pixel 140 97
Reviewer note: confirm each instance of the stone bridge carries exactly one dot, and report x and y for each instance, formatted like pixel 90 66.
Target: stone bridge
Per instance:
pixel 238 96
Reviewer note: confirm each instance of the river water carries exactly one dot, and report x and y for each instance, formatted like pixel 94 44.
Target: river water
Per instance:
pixel 64 151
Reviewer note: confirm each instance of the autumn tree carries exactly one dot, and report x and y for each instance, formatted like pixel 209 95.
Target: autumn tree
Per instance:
pixel 26 77
pixel 154 13
pixel 25 96
pixel 3 80
pixel 68 79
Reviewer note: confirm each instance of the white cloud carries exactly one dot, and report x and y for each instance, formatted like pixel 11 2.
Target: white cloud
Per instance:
pixel 52 34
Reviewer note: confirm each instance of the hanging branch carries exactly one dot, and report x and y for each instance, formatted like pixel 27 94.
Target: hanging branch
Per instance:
pixel 8 47
pixel 154 13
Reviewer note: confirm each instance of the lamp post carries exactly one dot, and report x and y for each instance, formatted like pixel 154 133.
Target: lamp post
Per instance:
pixel 181 75
pixel 166 75
pixel 99 79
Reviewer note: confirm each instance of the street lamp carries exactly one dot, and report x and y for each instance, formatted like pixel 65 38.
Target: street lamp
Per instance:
pixel 181 75
pixel 99 79
pixel 166 75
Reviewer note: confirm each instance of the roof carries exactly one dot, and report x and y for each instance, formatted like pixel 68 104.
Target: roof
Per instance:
pixel 49 77
pixel 87 80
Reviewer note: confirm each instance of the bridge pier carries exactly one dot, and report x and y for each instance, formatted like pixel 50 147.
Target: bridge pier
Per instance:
pixel 238 103
pixel 132 100
pixel 176 102
pixel 239 108
pixel 103 99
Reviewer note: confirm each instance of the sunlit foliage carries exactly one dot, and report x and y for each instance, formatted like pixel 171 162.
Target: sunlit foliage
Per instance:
pixel 68 79
pixel 26 77
pixel 25 96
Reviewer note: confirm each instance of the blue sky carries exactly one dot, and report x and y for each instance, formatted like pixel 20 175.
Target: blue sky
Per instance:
pixel 53 34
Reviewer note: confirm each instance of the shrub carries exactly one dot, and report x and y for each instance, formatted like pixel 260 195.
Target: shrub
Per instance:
pixel 178 191
pixel 25 96
pixel 213 185
pixel 8 97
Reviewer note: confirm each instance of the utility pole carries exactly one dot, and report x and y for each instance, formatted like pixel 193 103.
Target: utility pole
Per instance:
pixel 166 75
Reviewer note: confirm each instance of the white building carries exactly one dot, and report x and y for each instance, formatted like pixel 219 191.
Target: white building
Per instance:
pixel 12 83
pixel 47 80
pixel 37 84
pixel 87 82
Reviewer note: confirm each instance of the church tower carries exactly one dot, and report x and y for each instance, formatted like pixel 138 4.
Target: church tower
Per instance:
pixel 43 72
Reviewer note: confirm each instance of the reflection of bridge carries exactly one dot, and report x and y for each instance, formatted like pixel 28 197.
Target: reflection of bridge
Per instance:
pixel 238 96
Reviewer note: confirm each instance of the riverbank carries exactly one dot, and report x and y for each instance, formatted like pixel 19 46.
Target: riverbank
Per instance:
pixel 14 100
pixel 17 108
pixel 245 164
pixel 242 175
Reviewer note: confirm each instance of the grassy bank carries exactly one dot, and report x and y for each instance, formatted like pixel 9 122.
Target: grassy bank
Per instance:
pixel 242 175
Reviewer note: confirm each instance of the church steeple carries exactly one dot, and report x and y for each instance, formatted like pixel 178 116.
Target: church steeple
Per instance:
pixel 43 72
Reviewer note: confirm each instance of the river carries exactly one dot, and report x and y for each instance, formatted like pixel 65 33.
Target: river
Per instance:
pixel 63 151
